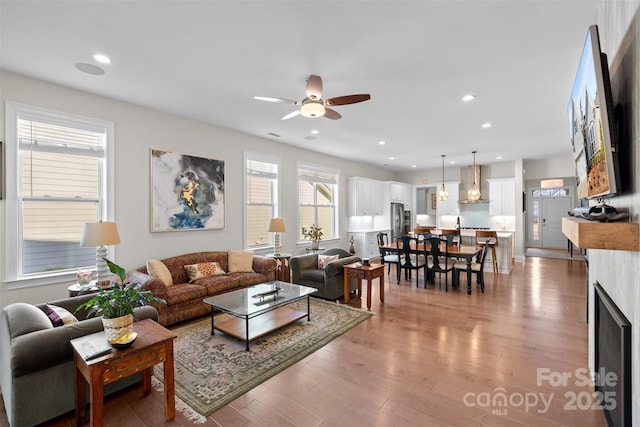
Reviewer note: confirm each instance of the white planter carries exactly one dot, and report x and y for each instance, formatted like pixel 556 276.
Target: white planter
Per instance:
pixel 118 327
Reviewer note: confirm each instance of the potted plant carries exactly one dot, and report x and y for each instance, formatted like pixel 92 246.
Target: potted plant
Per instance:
pixel 116 305
pixel 313 233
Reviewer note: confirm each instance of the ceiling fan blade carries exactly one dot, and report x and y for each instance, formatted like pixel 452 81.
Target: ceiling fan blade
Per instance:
pixel 331 114
pixel 314 87
pixel 290 115
pixel 347 99
pixel 271 99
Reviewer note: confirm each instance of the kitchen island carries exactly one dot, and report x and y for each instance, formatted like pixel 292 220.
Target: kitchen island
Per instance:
pixel 504 249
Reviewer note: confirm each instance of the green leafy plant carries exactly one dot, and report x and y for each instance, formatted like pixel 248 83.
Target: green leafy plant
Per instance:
pixel 121 299
pixel 313 233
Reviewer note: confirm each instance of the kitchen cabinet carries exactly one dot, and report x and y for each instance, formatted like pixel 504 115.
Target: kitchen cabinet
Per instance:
pixel 366 243
pixel 502 196
pixel 364 197
pixel 399 192
pixel 449 206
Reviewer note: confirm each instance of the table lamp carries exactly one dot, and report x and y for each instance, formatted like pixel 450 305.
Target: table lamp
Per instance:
pixel 276 225
pixel 100 234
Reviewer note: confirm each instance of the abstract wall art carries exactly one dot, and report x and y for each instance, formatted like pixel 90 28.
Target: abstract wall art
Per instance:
pixel 187 192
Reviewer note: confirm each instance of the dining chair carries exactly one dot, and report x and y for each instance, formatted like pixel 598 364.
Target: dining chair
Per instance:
pixel 486 237
pixel 452 236
pixel 438 261
pixel 410 258
pixel 386 256
pixel 476 267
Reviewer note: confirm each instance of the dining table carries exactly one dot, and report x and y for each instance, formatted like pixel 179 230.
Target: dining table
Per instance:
pixel 467 253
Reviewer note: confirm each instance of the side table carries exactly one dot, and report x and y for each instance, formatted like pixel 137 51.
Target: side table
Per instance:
pixel 78 289
pixel 368 272
pixel 313 251
pixel 154 344
pixel 283 272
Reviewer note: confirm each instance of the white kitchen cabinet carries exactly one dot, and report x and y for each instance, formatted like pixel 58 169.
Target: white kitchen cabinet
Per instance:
pixel 366 243
pixel 364 197
pixel 502 196
pixel 399 192
pixel 449 206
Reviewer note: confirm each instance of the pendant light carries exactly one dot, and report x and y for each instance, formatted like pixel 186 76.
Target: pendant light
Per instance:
pixel 443 194
pixel 474 191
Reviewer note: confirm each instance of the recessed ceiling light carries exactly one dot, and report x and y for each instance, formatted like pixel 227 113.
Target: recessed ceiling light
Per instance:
pixel 391 158
pixel 499 158
pixel 103 59
pixel 486 125
pixel 381 142
pixel 414 166
pixel 453 162
pixel 468 98
pixel 89 69
pixel 315 131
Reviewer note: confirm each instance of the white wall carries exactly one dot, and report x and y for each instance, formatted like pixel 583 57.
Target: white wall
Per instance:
pixel 619 271
pixel 557 167
pixel 137 129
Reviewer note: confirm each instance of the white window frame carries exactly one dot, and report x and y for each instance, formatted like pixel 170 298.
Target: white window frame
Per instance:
pixel 336 197
pixel 13 225
pixel 248 155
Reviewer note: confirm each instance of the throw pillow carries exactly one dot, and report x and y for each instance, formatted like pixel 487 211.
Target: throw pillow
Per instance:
pixel 204 269
pixel 323 260
pixel 240 262
pixel 59 316
pixel 158 269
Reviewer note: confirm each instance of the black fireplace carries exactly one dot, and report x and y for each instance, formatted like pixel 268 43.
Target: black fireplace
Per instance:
pixel 612 359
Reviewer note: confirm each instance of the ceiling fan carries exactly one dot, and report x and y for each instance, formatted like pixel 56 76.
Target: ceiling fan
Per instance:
pixel 313 105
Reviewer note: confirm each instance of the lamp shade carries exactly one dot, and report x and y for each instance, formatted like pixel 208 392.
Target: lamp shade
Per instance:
pixel 100 234
pixel 276 225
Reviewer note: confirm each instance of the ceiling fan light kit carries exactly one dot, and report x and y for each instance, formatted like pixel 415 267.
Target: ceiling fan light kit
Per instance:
pixel 312 108
pixel 313 105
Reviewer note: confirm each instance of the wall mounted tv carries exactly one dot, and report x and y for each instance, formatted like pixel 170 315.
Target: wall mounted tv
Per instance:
pixel 592 125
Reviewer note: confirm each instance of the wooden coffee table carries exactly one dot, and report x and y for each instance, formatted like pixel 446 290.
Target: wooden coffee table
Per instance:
pixel 153 345
pixel 368 272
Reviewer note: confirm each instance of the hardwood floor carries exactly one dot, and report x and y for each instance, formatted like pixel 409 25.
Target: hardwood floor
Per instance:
pixel 427 357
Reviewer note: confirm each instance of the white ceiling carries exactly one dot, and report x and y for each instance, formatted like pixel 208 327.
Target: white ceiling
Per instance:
pixel 208 59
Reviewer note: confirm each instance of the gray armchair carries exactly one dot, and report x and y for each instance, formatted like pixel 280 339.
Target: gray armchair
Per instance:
pixel 330 280
pixel 37 370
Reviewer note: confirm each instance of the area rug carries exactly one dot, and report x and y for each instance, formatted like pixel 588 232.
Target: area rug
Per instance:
pixel 211 371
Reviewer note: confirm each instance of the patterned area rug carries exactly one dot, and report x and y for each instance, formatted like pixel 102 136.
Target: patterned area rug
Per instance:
pixel 211 371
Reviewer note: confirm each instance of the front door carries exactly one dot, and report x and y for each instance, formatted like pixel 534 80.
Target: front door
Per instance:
pixel 553 209
pixel 546 209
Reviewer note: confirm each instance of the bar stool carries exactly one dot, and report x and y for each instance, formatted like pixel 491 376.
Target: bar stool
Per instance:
pixel 484 236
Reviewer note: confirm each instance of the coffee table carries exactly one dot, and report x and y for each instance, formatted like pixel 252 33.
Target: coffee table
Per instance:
pixel 259 309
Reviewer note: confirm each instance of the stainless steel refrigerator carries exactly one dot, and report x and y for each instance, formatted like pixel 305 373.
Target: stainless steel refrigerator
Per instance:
pixel 397 220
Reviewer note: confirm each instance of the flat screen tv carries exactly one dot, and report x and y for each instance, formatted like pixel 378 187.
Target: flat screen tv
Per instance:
pixel 592 123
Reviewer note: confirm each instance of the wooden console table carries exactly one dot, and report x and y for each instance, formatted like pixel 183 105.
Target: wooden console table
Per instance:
pixel 153 345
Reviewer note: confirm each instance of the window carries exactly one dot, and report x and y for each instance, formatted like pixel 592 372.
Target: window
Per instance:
pixel 56 181
pixel 261 189
pixel 318 200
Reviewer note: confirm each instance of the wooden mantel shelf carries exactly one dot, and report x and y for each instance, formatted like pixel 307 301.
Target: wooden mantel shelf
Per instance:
pixel 622 236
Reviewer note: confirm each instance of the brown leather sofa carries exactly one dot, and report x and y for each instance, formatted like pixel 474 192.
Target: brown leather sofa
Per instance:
pixel 184 298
